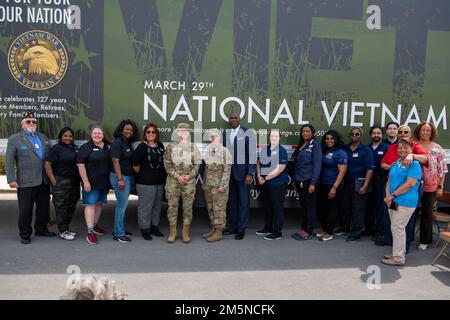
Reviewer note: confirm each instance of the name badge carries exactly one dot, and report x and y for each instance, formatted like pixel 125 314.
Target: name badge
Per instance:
pixel 380 152
pixel 96 149
pixel 274 153
pixel 128 150
pixel 329 156
pixel 36 145
pixel 355 155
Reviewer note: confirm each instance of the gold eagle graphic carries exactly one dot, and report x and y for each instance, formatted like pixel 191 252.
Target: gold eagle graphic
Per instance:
pixel 42 62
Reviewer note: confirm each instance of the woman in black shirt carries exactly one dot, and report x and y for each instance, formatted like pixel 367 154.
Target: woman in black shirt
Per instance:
pixel 148 162
pixel 94 166
pixel 61 168
pixel 122 174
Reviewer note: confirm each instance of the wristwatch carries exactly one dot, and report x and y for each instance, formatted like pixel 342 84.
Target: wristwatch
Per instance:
pixel 440 186
pixel 393 193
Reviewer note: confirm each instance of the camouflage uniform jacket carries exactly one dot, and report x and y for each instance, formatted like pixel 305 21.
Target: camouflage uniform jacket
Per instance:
pixel 218 166
pixel 182 159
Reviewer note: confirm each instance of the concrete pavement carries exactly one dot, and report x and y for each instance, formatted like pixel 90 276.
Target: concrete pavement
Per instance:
pixel 249 269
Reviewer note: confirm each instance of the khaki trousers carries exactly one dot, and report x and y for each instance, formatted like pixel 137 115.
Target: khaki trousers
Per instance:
pixel 399 220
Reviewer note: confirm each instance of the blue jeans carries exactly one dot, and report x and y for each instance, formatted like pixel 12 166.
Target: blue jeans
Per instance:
pixel 122 202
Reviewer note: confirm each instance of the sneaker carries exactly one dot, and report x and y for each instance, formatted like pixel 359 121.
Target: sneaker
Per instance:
pixel 66 235
pixel 72 233
pixel 128 233
pixel 341 232
pixel 321 234
pixel 352 239
pixel 273 236
pixel 99 231
pixel 305 237
pixel 298 234
pixel 263 232
pixel 422 247
pixel 388 256
pixel 393 262
pixel 326 237
pixel 91 238
pixel 123 239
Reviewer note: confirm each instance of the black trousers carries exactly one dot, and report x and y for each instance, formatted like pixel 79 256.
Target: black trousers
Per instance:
pixel 27 197
pixel 426 217
pixel 328 209
pixel 374 218
pixel 308 203
pixel 353 209
pixel 273 200
pixel 238 205
pixel 66 194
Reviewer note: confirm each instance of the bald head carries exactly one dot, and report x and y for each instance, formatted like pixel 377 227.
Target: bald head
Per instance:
pixel 234 119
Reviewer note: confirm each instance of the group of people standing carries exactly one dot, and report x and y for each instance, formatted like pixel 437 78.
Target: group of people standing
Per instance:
pixel 370 190
pixel 361 189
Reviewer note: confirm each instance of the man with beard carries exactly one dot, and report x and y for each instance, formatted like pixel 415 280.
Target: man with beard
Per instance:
pixel 376 206
pixel 25 157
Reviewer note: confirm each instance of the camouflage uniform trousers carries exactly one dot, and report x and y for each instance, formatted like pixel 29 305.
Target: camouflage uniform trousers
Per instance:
pixel 173 192
pixel 66 194
pixel 217 205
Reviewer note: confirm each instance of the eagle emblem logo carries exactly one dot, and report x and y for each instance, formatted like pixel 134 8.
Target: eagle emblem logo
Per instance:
pixel 37 60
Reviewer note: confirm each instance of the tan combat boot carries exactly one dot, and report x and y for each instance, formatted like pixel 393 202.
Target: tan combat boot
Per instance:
pixel 185 233
pixel 210 233
pixel 172 233
pixel 218 235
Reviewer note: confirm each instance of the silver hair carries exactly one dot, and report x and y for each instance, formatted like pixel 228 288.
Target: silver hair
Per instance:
pixel 91 288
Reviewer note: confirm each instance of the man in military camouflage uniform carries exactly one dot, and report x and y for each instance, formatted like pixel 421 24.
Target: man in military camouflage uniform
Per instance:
pixel 216 184
pixel 182 160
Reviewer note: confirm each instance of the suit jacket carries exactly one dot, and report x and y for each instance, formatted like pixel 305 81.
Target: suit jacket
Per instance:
pixel 243 152
pixel 23 164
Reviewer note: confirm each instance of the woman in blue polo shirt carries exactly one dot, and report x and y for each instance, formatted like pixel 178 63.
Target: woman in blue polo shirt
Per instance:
pixel 402 196
pixel 94 166
pixel 272 176
pixel 334 167
pixel 356 186
pixel 308 162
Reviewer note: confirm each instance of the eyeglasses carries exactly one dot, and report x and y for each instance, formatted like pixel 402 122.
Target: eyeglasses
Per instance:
pixel 356 134
pixel 403 132
pixel 150 131
pixel 31 122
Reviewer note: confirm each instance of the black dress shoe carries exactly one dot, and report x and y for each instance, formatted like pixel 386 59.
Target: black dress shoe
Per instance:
pixel 239 236
pixel 154 230
pixel 228 231
pixel 45 233
pixel 25 240
pixel 146 234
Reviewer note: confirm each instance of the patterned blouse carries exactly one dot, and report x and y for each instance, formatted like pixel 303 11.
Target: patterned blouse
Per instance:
pixel 436 169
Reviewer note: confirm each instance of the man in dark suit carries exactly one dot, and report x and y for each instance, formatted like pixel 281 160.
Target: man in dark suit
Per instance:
pixel 242 145
pixel 25 156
